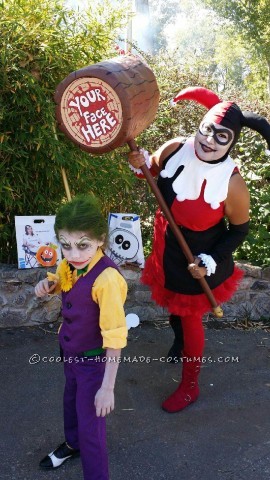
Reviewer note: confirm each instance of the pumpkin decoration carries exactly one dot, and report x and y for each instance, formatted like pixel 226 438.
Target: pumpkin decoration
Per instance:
pixel 47 255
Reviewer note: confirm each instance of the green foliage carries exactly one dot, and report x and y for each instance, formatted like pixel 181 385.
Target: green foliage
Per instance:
pixel 41 43
pixel 231 43
pixel 255 168
pixel 252 21
pixel 219 45
pixel 252 18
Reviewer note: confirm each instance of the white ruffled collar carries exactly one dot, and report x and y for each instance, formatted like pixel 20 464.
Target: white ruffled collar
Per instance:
pixel 188 184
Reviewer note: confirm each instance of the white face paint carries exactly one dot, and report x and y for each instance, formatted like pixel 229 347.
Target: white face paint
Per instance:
pixel 207 147
pixel 78 248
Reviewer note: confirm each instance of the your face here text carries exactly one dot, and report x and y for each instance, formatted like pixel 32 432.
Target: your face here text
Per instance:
pixel 97 122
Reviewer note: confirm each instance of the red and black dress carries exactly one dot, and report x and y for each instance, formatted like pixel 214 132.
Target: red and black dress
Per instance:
pixel 195 192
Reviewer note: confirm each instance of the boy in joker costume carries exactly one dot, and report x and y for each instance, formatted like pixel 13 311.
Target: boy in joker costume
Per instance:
pixel 202 186
pixel 92 334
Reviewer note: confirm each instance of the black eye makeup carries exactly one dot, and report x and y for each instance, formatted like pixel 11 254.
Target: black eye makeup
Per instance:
pixel 64 243
pixel 83 246
pixel 222 136
pixel 83 243
pixel 65 246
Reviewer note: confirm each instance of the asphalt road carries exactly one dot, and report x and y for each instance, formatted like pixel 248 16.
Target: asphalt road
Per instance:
pixel 225 435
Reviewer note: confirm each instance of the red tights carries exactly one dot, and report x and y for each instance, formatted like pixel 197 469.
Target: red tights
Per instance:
pixel 193 335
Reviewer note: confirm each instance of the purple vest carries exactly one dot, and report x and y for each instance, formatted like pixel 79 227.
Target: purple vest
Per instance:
pixel 80 330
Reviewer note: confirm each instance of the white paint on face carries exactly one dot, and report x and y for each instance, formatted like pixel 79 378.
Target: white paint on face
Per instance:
pixel 78 248
pixel 207 148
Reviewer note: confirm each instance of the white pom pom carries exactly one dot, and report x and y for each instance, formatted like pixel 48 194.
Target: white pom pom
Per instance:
pixel 132 320
pixel 215 205
pixel 267 152
pixel 164 174
pixel 173 103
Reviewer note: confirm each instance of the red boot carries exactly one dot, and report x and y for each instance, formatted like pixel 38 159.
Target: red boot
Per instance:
pixel 188 390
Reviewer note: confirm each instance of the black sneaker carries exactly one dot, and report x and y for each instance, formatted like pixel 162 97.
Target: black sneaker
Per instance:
pixel 56 458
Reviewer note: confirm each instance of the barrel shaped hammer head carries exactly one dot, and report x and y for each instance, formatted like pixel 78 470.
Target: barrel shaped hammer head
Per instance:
pixel 105 105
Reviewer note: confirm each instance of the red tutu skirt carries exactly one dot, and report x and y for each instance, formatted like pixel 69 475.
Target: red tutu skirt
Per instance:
pixel 182 304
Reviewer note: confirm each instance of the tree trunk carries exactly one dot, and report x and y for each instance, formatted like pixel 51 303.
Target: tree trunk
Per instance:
pixel 145 37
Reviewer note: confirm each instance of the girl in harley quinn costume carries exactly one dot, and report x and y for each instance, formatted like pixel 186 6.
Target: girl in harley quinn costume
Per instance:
pixel 201 185
pixel 92 334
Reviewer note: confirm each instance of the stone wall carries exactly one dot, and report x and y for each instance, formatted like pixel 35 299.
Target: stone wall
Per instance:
pixel 20 307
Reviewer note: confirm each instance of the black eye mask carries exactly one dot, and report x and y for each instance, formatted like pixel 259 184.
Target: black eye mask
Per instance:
pixel 209 130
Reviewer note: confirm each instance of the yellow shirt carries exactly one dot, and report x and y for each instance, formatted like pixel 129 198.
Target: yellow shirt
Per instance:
pixel 109 291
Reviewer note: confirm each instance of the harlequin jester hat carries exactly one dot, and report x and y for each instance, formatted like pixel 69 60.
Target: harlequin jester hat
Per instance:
pixel 227 114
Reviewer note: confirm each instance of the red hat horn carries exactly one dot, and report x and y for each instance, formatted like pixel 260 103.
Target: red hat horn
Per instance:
pixel 198 94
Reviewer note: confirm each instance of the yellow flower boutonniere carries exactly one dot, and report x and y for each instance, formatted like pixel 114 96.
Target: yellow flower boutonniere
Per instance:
pixel 65 275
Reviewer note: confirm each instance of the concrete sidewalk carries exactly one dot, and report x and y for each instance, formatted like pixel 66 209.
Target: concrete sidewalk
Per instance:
pixel 225 435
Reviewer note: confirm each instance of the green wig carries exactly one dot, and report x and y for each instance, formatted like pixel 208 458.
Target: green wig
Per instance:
pixel 82 214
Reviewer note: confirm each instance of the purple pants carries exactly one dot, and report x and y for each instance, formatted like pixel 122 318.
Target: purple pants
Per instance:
pixel 83 429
